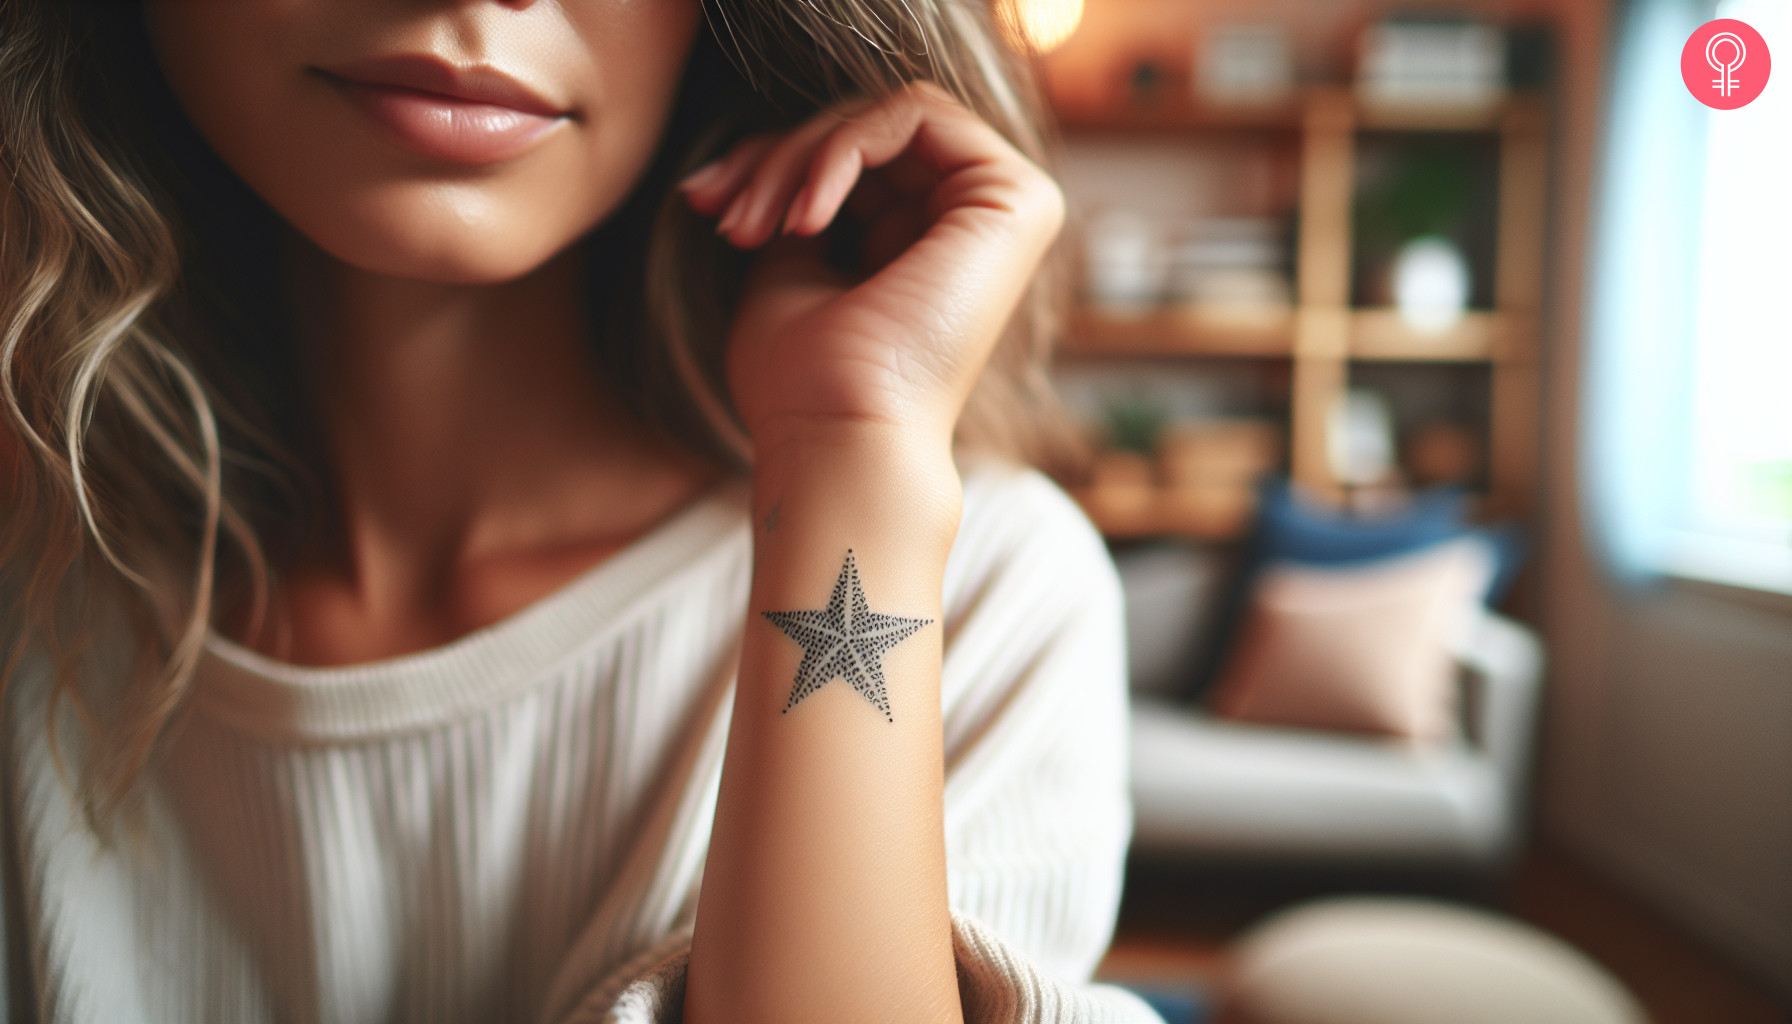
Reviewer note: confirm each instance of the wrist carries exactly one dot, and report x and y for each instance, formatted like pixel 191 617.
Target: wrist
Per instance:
pixel 876 476
pixel 913 426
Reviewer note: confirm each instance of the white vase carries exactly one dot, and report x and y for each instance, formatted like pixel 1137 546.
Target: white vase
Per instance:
pixel 1431 284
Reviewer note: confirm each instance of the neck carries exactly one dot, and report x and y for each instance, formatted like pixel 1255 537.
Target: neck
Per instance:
pixel 476 460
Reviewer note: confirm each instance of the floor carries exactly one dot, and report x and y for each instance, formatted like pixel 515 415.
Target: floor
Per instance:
pixel 1175 923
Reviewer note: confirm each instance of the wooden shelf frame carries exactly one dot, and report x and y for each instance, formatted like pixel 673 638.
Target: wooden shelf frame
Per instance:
pixel 1178 112
pixel 1371 335
pixel 1269 334
pixel 1160 516
pixel 1381 335
pixel 1321 334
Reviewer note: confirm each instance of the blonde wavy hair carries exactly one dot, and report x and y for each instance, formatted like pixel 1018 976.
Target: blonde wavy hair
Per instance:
pixel 155 459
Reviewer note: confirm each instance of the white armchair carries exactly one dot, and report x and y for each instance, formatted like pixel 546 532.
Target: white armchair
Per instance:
pixel 1206 787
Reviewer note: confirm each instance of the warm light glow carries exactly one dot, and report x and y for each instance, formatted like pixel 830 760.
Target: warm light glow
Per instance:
pixel 1038 26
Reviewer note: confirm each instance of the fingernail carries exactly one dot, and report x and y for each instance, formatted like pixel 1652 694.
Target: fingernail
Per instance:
pixel 799 208
pixel 702 176
pixel 730 217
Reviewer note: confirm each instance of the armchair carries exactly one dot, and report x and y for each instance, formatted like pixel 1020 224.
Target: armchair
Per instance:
pixel 1203 786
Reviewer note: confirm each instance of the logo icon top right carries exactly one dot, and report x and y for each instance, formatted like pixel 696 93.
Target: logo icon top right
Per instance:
pixel 1725 64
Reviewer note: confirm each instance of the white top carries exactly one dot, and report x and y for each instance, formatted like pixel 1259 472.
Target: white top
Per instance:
pixel 512 827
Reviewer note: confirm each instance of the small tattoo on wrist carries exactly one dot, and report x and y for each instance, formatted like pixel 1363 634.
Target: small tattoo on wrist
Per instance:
pixel 846 640
pixel 771 518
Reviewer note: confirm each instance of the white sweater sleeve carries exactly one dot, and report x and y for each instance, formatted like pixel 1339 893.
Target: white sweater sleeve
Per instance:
pixel 996 985
pixel 1037 811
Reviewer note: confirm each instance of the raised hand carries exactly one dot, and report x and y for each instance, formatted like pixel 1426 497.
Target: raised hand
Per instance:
pixel 895 239
pixel 949 222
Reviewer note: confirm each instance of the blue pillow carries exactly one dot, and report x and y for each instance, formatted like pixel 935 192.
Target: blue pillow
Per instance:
pixel 1176 1004
pixel 1291 528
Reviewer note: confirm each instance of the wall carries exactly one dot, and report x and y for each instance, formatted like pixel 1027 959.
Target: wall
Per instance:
pixel 1668 734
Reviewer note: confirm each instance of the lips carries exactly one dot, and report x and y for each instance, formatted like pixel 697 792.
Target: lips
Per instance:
pixel 464 115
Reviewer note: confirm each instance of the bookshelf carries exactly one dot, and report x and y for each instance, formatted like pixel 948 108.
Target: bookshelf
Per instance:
pixel 1322 335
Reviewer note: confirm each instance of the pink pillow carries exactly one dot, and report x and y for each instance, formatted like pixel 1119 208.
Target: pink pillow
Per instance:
pixel 1361 648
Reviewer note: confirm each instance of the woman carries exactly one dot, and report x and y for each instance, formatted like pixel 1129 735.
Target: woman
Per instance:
pixel 424 530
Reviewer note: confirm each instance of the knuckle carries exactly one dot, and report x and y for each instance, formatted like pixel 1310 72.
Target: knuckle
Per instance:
pixel 1042 200
pixel 895 115
pixel 1055 205
pixel 941 98
pixel 926 95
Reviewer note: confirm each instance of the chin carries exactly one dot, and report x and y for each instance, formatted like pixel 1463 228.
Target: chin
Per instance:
pixel 444 233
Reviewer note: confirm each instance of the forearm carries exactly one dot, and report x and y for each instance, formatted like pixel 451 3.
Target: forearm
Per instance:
pixel 824 892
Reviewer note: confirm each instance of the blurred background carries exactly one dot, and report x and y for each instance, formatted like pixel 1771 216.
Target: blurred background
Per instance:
pixel 1439 359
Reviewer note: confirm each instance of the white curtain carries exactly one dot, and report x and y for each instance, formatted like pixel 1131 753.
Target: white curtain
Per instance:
pixel 1636 453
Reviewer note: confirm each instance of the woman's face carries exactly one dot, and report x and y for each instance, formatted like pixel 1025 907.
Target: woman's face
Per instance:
pixel 462 141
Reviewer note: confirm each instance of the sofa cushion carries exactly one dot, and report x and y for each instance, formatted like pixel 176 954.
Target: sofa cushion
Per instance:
pixel 1291 527
pixel 1363 648
pixel 1204 786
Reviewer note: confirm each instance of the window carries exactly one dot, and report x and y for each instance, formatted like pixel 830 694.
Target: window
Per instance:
pixel 1735 524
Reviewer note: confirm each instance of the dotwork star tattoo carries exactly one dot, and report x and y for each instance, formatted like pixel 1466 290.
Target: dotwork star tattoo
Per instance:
pixel 846 640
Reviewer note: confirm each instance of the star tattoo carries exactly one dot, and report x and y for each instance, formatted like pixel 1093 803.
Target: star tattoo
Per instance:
pixel 846 640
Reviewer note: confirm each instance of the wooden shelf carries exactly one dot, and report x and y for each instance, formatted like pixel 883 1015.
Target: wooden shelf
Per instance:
pixel 1320 335
pixel 1175 112
pixel 1381 334
pixel 1375 334
pixel 1395 117
pixel 1177 331
pixel 1162 512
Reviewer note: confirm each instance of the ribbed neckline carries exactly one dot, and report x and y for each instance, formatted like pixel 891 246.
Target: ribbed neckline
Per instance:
pixel 278 701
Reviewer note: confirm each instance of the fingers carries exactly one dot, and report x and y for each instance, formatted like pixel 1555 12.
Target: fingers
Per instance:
pixel 921 141
pixel 714 185
pixel 754 215
pixel 922 128
pixel 879 138
pixel 751 188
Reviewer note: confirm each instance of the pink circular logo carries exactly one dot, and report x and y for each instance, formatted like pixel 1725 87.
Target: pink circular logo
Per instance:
pixel 1725 64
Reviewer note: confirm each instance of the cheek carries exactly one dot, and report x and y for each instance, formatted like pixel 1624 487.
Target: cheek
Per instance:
pixel 241 68
pixel 632 59
pixel 223 62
